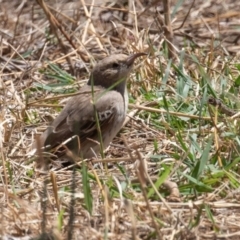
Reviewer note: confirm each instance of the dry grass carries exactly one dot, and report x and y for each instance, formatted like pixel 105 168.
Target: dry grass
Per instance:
pixel 172 137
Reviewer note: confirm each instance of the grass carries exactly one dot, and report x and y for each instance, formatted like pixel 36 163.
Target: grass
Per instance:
pixel 173 170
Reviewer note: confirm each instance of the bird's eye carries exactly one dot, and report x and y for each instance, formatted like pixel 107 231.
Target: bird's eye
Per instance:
pixel 115 65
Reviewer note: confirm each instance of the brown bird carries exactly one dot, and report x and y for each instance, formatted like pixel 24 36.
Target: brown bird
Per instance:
pixel 90 120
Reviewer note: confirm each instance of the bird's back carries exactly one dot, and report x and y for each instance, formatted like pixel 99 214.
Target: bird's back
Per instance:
pixel 78 120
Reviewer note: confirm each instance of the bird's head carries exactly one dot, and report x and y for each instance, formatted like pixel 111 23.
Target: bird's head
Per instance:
pixel 113 70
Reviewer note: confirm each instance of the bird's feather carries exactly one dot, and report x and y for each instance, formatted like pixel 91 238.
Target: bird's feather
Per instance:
pixel 79 117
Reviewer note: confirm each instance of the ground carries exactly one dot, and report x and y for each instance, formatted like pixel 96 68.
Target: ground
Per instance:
pixel 172 172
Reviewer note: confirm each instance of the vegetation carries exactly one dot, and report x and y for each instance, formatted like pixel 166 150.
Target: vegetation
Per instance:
pixel 172 172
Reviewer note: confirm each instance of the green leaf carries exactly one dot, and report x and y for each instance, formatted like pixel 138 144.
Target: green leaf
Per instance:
pixel 88 200
pixel 237 81
pixel 201 164
pixel 198 183
pixel 60 219
pixel 163 176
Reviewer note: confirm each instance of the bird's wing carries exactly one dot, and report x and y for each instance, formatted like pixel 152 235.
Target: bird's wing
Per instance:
pixel 79 118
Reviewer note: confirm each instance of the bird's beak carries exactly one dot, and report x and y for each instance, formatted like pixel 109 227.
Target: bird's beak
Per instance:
pixel 131 58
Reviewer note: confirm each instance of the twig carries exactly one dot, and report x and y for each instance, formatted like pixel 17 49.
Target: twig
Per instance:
pixel 185 19
pixel 168 29
pixel 167 112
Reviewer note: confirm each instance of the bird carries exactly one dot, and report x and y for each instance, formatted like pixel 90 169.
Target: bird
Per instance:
pixel 90 120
